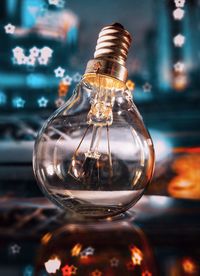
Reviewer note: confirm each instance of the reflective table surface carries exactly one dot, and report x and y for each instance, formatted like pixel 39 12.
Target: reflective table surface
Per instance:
pixel 159 236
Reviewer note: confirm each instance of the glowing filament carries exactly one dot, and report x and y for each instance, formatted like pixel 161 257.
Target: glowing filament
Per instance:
pixel 86 166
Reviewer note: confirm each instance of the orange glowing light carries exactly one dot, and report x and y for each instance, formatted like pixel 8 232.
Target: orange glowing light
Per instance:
pixel 186 183
pixel 136 255
pixel 63 89
pixel 181 187
pixel 130 85
pixel 180 81
pixel 76 249
pixel 62 93
pixel 189 266
pixel 85 260
pixel 187 164
pixel 46 238
pixel 187 150
pixel 67 270
pixel 146 273
pixel 96 273
pixel 63 85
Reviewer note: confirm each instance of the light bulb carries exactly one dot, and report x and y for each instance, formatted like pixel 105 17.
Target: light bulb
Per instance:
pixel 94 156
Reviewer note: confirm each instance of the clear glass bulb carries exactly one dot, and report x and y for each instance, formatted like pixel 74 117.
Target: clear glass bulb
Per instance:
pixel 94 155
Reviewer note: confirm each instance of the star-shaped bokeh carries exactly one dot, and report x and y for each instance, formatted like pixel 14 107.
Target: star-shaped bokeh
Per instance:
pixel 67 80
pixel 46 52
pixel 15 249
pixel 136 255
pixel 67 270
pixel 43 60
pixel 31 60
pixel 179 3
pixel 59 102
pixel 147 87
pixel 179 40
pixel 52 265
pixel 17 50
pixel 73 269
pixel 42 102
pixel 76 77
pixel 34 51
pixel 18 102
pixel 41 56
pixel 179 66
pixel 114 262
pixel 87 252
pixel 9 28
pixel 59 72
pixel 178 14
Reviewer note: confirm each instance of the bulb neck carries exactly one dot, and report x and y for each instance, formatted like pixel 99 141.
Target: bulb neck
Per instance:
pixel 111 53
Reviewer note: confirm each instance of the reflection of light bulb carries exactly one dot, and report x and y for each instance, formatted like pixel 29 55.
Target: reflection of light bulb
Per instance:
pixel 94 155
pixel 97 249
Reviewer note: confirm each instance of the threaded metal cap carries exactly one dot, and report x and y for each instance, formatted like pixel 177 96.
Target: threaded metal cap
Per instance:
pixel 111 52
pixel 113 43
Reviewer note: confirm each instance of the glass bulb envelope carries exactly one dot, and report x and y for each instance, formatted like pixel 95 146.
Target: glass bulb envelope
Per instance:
pixel 94 156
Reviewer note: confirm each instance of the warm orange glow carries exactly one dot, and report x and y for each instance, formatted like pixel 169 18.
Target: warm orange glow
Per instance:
pixel 85 260
pixel 96 273
pixel 187 164
pixel 63 89
pixel 130 85
pixel 146 273
pixel 62 93
pixel 186 183
pixel 136 255
pixel 187 150
pixel 183 188
pixel 76 249
pixel 45 239
pixel 69 270
pixel 180 81
pixel 189 266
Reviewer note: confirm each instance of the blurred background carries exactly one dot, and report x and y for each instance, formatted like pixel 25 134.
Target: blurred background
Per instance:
pixel 44 48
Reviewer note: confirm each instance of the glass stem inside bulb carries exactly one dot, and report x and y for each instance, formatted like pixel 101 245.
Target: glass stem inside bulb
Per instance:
pixel 109 154
pixel 96 137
